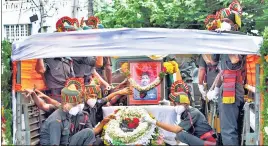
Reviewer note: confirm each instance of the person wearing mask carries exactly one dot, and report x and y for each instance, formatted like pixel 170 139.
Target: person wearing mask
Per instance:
pixel 56 128
pixel 193 128
pixel 93 105
pixel 230 90
pixel 56 72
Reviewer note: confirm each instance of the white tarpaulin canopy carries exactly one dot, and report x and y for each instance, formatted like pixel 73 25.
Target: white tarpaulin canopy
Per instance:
pixel 133 42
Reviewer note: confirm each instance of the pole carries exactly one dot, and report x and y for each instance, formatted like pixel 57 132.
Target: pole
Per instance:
pixel 75 7
pixel 90 8
pixel 41 14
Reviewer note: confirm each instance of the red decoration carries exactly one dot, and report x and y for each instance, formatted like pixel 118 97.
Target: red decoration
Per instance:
pixel 93 21
pixel 179 86
pixel 60 23
pixel 149 68
pixel 136 120
pixel 131 125
pixel 235 6
pixel 164 69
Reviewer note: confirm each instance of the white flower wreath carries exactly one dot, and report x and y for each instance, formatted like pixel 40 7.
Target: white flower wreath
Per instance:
pixel 134 84
pixel 141 135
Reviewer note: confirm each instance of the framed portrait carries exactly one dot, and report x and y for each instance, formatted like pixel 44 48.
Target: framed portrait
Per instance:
pixel 144 73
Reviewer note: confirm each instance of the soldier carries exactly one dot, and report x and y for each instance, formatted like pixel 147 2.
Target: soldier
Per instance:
pixel 94 105
pixel 193 128
pixel 84 67
pixel 56 71
pixel 105 71
pixel 231 93
pixel 207 72
pixel 57 128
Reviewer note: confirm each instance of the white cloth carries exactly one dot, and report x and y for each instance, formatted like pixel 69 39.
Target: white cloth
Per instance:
pixel 133 42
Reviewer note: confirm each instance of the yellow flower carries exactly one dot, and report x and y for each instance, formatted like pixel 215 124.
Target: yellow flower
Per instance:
pixel 104 127
pixel 106 143
pixel 169 67
pixel 124 67
pixel 151 115
pixel 175 66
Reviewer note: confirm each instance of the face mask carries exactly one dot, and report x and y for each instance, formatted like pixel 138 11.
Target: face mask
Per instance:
pixel 76 109
pixel 91 102
pixel 179 109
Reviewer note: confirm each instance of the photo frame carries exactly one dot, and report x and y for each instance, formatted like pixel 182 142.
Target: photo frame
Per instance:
pixel 144 73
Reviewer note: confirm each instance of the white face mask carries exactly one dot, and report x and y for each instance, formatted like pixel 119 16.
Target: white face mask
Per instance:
pixel 91 102
pixel 73 111
pixel 179 109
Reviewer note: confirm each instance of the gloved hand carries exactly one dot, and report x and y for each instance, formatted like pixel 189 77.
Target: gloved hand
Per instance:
pixel 149 120
pixel 213 94
pixel 202 91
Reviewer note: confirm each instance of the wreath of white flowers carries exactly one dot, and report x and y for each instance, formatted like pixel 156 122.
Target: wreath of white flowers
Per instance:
pixel 134 84
pixel 141 135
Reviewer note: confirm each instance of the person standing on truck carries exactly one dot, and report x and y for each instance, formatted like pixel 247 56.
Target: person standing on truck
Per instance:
pixel 57 127
pixel 231 83
pixel 105 71
pixel 84 67
pixel 207 72
pixel 56 71
pixel 193 128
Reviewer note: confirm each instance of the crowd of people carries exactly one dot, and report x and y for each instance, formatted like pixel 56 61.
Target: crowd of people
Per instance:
pixel 73 105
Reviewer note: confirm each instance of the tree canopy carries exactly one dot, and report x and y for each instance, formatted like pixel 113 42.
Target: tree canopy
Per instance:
pixel 186 14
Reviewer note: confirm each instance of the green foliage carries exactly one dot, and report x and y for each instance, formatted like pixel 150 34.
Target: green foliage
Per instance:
pixel 175 13
pixel 6 89
pixel 264 52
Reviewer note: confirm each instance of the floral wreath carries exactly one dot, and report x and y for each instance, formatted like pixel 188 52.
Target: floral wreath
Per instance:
pixel 127 129
pixel 169 67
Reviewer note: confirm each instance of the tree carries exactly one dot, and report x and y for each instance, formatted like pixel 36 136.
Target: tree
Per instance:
pixel 6 91
pixel 189 14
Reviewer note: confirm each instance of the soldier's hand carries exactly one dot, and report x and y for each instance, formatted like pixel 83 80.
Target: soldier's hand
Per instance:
pixel 107 119
pixel 28 92
pixel 40 94
pixel 125 91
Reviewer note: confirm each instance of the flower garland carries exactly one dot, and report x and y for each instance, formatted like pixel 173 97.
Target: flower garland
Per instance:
pixel 169 67
pixel 144 133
